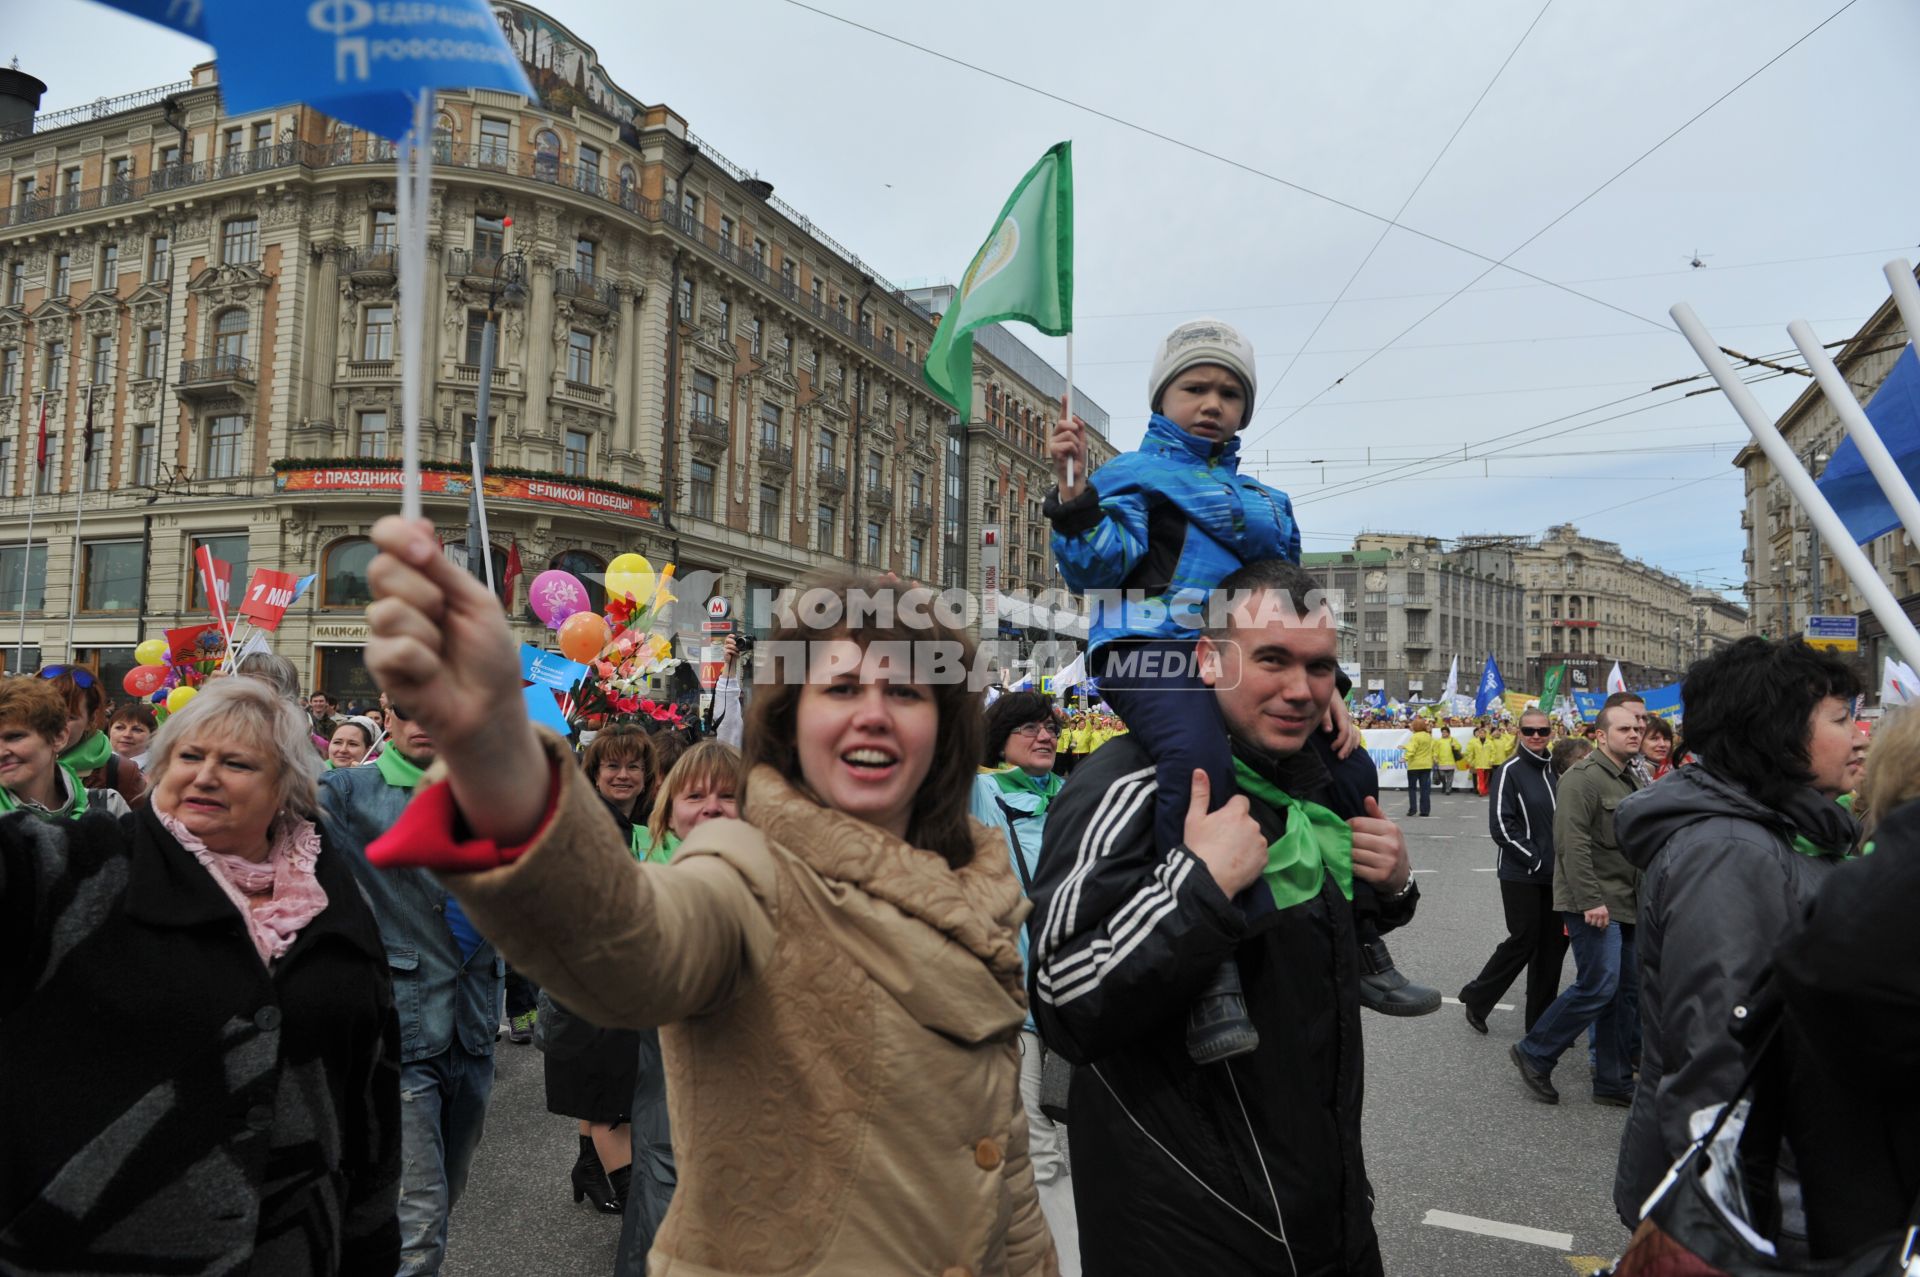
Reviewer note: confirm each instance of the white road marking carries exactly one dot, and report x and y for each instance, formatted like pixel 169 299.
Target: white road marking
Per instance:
pixel 1486 869
pixel 1498 1006
pixel 1448 837
pixel 1426 871
pixel 1494 1228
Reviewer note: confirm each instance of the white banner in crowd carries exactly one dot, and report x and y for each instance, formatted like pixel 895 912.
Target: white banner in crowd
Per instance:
pixel 1387 747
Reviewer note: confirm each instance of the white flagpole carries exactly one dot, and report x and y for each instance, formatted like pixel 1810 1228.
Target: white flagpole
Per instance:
pixel 1886 471
pixel 26 560
pixel 79 512
pixel 1906 295
pixel 1069 400
pixel 411 207
pixel 1858 569
pixel 480 504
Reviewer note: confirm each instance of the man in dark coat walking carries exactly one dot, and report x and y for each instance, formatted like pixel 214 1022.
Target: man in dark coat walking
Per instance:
pixel 1252 1164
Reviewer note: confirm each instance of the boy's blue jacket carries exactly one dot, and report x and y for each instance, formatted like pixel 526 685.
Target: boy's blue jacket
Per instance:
pixel 1159 527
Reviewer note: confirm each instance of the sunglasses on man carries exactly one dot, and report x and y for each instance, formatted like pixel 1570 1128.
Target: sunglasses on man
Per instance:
pixel 1536 731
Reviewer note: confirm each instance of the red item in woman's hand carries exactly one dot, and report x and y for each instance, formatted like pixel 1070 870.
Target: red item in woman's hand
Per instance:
pixel 430 835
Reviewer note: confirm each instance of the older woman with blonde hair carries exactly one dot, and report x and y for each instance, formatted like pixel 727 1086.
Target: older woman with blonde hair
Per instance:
pixel 835 974
pixel 220 977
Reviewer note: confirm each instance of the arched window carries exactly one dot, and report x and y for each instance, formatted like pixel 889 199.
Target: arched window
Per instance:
pixel 546 155
pixel 343 573
pixel 230 335
pixel 629 188
pixel 591 571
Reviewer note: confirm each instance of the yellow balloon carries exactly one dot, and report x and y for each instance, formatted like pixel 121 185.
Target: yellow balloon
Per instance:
pixel 151 652
pixel 630 574
pixel 177 699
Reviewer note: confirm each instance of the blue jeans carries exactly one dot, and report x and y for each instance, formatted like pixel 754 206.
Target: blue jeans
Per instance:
pixel 1594 998
pixel 443 1108
pixel 1419 791
pixel 1175 717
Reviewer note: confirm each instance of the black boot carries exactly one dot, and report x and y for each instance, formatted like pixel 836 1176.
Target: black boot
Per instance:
pixel 1217 1026
pixel 619 1181
pixel 1384 989
pixel 590 1180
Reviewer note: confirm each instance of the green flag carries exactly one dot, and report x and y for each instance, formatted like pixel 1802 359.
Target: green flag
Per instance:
pixel 1551 692
pixel 1024 271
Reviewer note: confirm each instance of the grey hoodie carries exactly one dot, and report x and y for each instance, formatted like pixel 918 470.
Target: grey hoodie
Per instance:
pixel 1721 885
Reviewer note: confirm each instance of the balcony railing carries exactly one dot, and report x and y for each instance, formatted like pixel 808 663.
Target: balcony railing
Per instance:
pixel 831 478
pixel 591 290
pixel 216 368
pixel 706 430
pixel 371 262
pixel 879 499
pixel 776 456
pixel 468 263
pixel 921 512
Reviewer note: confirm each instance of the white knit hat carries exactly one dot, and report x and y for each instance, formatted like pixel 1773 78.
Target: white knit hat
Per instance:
pixel 1201 341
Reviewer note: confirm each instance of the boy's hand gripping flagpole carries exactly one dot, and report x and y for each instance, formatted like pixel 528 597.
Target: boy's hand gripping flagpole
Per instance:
pixel 1859 570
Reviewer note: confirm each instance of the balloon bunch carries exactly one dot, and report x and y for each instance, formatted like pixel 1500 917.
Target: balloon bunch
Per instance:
pixel 168 683
pixel 618 646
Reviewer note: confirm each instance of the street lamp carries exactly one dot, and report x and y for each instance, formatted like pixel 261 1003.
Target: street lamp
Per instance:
pixel 512 289
pixel 1810 459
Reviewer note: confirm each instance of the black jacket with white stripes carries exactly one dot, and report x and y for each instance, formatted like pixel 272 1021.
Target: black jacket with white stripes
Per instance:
pixel 1520 817
pixel 1251 1166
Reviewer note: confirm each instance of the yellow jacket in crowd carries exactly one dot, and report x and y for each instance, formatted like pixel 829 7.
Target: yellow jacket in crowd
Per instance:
pixel 1446 752
pixel 1419 750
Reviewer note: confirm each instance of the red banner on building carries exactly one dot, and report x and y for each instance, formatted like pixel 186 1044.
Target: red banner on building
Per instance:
pixel 269 595
pixel 560 492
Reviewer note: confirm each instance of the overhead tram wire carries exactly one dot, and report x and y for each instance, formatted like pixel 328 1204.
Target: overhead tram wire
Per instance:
pixel 1386 230
pixel 1577 205
pixel 1216 156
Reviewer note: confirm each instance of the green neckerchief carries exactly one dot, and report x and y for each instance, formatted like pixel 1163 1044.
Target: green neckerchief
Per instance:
pixel 398 770
pixel 643 846
pixel 1807 847
pixel 1015 780
pixel 90 755
pixel 10 803
pixel 1315 841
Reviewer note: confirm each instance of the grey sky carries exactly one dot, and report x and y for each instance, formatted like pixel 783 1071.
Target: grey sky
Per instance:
pixel 906 158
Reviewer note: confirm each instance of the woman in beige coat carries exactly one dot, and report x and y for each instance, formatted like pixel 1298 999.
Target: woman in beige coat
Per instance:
pixel 836 975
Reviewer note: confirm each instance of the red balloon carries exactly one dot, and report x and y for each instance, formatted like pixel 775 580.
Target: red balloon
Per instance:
pixel 145 680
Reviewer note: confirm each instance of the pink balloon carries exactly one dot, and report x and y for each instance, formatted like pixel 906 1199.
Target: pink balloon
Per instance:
pixel 555 596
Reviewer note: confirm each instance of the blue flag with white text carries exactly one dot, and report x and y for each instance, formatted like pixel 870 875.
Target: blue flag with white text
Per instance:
pixel 1492 687
pixel 1895 413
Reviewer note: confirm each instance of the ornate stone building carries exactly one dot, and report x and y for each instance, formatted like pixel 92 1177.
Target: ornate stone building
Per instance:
pixel 1589 605
pixel 684 366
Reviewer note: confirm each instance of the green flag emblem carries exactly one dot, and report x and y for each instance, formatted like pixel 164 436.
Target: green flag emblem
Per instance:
pixel 1024 271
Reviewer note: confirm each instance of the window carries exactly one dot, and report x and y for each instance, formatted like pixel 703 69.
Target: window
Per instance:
pixel 477 336
pixel 109 278
pixel 586 169
pixel 386 230
pixel 376 334
pixel 146 452
pixel 6 467
pixel 343 573
pixel 873 542
pixel 94 461
pixel 628 185
pixel 495 145
pixel 373 435
pixel 828 447
pixel 580 357
pixel 120 179
pixel 56 365
pixel 823 529
pixel 48 476
pixel 754 330
pixel 770 511
pixel 585 251
pixel 62 274
pixel 579 445
pixel 700 491
pixel 230 337
pixel 683 305
pixel 546 155
pixel 690 208
pixel 231 550
pixel 916 556
pixel 263 136
pixel 159 258
pixel 489 242
pixel 759 250
pixel 816 295
pixel 16 283
pixel 223 447
pixel 100 367
pixel 29 187
pixel 874 476
pixel 152 352
pixel 236 141
pixel 70 189
pixel 110 576
pixel 704 390
pixel 886 337
pixel 170 157
pixel 770 424
pixel 726 231
pixel 9 371
pixel 240 241
pixel 18 571
pixel 724 309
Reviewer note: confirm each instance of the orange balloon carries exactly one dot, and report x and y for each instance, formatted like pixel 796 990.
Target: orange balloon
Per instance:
pixel 583 635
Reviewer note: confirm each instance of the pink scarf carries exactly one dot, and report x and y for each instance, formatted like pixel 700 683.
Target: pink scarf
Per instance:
pixel 287 873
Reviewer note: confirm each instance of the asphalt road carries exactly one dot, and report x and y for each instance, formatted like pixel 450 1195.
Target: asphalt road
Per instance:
pixel 1449 1129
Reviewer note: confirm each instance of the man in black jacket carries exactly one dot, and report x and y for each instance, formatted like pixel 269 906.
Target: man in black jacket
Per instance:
pixel 1521 820
pixel 1253 1164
